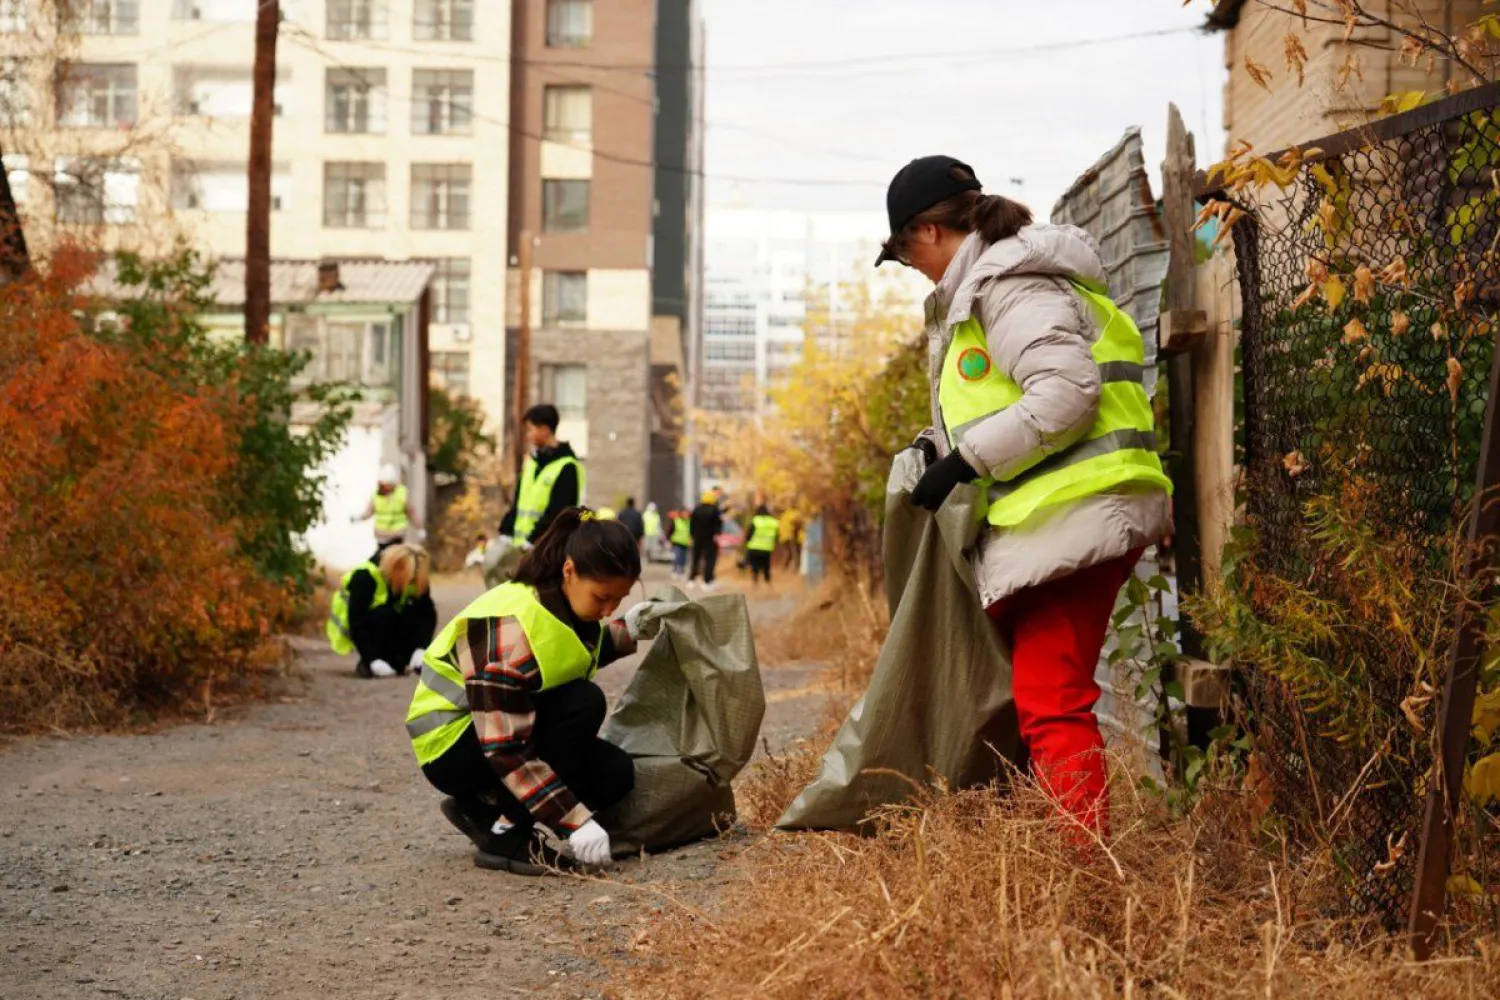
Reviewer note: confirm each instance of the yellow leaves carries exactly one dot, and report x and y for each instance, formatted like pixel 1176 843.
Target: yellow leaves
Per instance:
pixel 1482 781
pixel 1294 464
pixel 1400 323
pixel 1395 850
pixel 1364 285
pixel 1487 716
pixel 1296 56
pixel 1439 331
pixel 1395 273
pixel 1388 376
pixel 1350 68
pixel 1412 48
pixel 1354 331
pixel 1259 73
pixel 1411 707
pixel 1324 178
pixel 1317 270
pixel 1464 885
pixel 1462 293
pixel 1455 377
pixel 1307 296
pixel 1333 292
pixel 1351 18
pixel 1395 104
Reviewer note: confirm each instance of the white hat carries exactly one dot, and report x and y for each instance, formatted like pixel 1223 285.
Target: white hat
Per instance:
pixel 390 474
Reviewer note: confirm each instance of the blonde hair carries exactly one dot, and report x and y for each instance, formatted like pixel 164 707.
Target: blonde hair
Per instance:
pixel 409 561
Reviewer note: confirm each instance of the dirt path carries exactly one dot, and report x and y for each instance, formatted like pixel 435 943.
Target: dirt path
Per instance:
pixel 294 850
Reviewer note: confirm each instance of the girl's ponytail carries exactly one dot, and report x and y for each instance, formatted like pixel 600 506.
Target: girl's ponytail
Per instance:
pixel 599 550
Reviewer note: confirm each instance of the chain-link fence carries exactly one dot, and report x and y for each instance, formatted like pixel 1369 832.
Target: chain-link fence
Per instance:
pixel 1370 287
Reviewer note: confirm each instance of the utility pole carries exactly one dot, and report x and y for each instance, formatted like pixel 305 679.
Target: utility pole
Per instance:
pixel 523 354
pixel 258 222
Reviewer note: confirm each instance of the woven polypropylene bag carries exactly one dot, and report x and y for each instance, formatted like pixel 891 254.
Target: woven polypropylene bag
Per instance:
pixel 689 719
pixel 939 704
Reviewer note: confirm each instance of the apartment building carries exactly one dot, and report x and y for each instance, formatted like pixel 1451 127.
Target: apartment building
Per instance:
pixel 602 182
pixel 131 121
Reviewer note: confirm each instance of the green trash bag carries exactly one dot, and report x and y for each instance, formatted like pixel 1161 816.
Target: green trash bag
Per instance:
pixel 689 719
pixel 939 703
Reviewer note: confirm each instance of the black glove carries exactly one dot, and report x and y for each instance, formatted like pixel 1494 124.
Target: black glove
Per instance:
pixel 927 448
pixel 940 478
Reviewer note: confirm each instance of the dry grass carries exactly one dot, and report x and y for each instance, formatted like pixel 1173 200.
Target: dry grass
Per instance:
pixel 839 624
pixel 976 895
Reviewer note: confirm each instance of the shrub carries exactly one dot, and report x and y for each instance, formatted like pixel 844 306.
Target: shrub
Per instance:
pixel 145 547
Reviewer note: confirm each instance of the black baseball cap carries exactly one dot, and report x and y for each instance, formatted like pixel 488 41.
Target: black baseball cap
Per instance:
pixel 918 186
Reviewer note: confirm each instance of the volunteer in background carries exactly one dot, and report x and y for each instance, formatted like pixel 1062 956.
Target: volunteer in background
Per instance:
pixel 552 478
pixel 704 526
pixel 632 519
pixel 1041 404
pixel 506 718
pixel 391 508
pixel 682 540
pixel 651 530
pixel 761 545
pixel 385 612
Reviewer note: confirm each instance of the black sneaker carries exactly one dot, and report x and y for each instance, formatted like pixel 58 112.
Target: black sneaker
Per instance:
pixel 520 852
pixel 362 669
pixel 466 824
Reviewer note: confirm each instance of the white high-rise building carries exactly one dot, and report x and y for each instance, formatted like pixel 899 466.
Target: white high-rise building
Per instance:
pixel 760 267
pixel 390 142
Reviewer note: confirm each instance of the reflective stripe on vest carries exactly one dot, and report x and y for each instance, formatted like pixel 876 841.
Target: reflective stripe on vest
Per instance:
pixel 535 493
pixel 682 531
pixel 390 511
pixel 1119 449
pixel 439 711
pixel 764 530
pixel 337 628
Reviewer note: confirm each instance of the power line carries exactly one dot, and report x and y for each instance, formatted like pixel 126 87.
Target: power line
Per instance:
pixel 881 62
pixel 301 36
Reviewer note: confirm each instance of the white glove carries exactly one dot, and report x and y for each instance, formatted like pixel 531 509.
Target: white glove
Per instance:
pixel 641 629
pixel 421 534
pixel 590 844
pixel 415 662
pixel 380 668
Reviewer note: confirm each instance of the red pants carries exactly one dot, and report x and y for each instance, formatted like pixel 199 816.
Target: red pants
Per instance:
pixel 1055 632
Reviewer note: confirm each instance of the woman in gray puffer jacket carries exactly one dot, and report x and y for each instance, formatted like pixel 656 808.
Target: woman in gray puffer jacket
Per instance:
pixel 1037 398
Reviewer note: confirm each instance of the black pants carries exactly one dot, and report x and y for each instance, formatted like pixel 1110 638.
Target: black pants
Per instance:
pixel 760 565
pixel 568 719
pixel 705 558
pixel 392 633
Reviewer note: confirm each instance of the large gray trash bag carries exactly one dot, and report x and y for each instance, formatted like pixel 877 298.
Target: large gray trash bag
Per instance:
pixel 939 704
pixel 501 561
pixel 690 719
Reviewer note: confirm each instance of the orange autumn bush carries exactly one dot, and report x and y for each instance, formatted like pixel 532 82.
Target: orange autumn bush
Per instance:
pixel 126 588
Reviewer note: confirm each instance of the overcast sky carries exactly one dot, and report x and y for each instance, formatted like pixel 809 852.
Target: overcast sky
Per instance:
pixel 912 77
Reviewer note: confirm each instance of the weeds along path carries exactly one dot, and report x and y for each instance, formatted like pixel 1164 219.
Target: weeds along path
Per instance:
pixel 293 850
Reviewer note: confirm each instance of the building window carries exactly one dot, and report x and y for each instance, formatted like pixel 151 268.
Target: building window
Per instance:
pixel 224 11
pixel 450 290
pixel 567 388
pixel 444 21
pixel 13 16
pixel 223 186
pixel 565 297
pixel 91 190
pixel 96 95
pixel 568 114
pixel 440 195
pixel 356 353
pixel 354 100
pixel 449 371
pixel 354 20
pixel 570 24
pixel 565 206
pixel 220 91
pixel 442 102
pixel 354 195
pixel 104 17
pixel 15 93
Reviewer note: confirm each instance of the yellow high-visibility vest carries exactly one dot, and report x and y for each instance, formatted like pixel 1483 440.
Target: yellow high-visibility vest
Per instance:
pixel 390 511
pixel 1119 449
pixel 536 493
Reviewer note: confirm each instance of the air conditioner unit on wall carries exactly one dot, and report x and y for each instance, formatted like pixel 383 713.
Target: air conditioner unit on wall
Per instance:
pixel 462 333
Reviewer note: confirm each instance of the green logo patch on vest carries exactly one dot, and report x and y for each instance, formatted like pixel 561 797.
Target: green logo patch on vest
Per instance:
pixel 973 364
